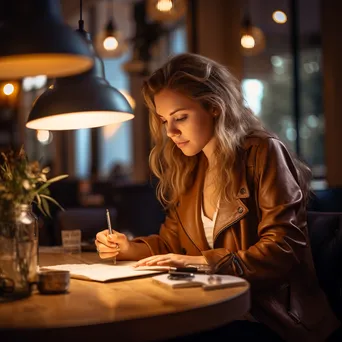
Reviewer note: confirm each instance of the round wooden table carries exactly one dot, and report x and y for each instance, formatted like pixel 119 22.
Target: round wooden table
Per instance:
pixel 126 310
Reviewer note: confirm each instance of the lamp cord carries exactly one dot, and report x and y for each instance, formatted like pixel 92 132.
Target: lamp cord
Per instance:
pixel 110 9
pixel 246 21
pixel 81 22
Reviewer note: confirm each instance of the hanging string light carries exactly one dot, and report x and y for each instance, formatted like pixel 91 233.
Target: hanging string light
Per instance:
pixel 279 17
pixel 110 42
pixel 166 10
pixel 252 38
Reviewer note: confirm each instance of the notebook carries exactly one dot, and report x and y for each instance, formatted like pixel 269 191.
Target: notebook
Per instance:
pixel 207 282
pixel 103 272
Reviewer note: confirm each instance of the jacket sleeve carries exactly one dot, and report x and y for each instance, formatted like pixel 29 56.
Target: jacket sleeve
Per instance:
pixel 282 222
pixel 167 241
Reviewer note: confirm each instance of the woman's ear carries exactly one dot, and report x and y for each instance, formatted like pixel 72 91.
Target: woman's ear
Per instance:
pixel 214 112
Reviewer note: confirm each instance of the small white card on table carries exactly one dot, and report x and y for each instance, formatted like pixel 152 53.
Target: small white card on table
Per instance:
pixel 206 281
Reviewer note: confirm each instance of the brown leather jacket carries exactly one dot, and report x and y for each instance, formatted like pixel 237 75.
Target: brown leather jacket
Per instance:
pixel 260 236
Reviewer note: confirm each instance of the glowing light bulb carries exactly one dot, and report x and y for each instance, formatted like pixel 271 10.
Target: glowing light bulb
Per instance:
pixel 110 43
pixel 279 17
pixel 28 83
pixel 40 81
pixel 8 89
pixel 164 5
pixel 247 41
pixel 44 137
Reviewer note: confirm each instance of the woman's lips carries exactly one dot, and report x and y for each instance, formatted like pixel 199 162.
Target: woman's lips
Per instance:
pixel 182 144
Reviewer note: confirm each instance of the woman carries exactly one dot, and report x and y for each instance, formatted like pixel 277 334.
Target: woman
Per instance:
pixel 235 198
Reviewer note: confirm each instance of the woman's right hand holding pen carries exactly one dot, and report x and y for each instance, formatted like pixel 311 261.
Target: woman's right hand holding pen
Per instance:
pixel 110 245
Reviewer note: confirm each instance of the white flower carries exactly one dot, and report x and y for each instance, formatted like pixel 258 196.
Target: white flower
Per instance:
pixel 42 178
pixel 26 184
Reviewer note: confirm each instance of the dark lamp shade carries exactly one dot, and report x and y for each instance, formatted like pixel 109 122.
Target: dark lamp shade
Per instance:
pixel 76 105
pixel 85 100
pixel 42 45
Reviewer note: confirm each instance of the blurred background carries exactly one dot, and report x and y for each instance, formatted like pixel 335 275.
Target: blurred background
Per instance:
pixel 285 52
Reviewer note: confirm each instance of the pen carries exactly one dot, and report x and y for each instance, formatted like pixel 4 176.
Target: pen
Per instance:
pixel 200 268
pixel 109 224
pixel 183 269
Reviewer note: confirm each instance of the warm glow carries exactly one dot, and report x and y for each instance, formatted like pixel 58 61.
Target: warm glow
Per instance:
pixel 128 97
pixel 78 120
pixel 164 5
pixel 52 65
pixel 110 43
pixel 279 17
pixel 44 137
pixel 110 130
pixel 8 89
pixel 247 41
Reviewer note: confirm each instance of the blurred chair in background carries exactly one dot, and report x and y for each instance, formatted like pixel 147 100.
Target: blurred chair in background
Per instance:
pixel 327 200
pixel 134 211
pixel 325 232
pixel 88 220
pixel 139 213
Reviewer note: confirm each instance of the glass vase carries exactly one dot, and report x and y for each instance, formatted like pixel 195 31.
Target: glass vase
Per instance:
pixel 27 225
pixel 18 253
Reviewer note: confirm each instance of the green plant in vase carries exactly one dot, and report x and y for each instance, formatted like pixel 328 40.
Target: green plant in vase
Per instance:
pixel 22 183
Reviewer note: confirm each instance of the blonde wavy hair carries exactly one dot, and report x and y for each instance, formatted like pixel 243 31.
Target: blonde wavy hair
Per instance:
pixel 216 89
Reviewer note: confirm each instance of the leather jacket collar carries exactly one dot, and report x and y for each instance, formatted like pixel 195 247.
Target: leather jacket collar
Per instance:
pixel 228 213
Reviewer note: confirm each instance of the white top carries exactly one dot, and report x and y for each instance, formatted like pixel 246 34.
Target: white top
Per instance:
pixel 208 225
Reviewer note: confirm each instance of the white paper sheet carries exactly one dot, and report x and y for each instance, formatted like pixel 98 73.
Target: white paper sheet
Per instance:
pixel 102 272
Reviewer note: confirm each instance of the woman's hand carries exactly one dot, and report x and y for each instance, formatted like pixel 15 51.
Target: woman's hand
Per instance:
pixel 177 260
pixel 110 245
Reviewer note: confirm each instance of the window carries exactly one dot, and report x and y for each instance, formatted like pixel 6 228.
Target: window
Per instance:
pixel 116 140
pixel 268 83
pixel 178 40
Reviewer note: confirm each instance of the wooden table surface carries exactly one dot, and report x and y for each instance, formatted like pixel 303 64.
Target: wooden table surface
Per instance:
pixel 133 310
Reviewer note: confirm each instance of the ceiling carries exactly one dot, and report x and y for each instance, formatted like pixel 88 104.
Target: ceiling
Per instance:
pixel 260 11
pixel 69 7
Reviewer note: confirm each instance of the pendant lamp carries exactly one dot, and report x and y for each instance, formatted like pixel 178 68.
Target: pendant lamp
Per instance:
pixel 110 42
pixel 35 41
pixel 166 10
pixel 252 38
pixel 81 101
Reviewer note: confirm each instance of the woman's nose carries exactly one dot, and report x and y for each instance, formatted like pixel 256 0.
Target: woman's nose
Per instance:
pixel 172 131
